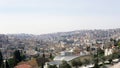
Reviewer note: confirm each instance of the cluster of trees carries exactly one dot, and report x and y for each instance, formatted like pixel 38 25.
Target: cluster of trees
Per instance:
pixel 41 60
pixel 74 63
pixel 99 56
pixel 116 42
pixel 10 63
pixel 64 64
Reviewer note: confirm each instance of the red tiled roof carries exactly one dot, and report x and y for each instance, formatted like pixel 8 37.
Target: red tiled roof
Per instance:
pixel 23 66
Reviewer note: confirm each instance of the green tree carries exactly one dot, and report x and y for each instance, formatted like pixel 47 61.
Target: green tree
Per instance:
pixel 96 59
pixel 103 59
pixel 7 64
pixel 64 65
pixel 86 61
pixel 100 52
pixel 11 62
pixel 1 59
pixel 118 44
pixel 76 63
pixel 17 57
pixel 51 55
pixel 110 57
pixel 43 62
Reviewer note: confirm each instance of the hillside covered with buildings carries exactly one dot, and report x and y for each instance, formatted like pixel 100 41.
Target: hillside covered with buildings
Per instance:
pixel 60 46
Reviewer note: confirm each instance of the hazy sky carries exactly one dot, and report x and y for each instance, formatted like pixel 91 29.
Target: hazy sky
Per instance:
pixel 47 16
